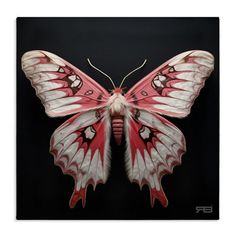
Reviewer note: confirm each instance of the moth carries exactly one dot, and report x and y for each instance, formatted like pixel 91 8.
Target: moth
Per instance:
pixel 154 146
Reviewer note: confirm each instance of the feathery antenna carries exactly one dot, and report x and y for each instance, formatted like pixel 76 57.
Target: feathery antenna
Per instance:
pixel 123 80
pixel 101 72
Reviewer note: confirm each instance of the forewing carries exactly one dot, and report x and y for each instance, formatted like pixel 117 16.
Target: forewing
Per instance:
pixel 172 88
pixel 81 148
pixel 62 88
pixel 154 148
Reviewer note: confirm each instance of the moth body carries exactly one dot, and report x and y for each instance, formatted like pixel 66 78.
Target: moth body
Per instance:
pixel 117 105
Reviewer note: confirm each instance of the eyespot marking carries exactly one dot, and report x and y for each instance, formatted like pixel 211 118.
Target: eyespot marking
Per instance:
pixel 144 132
pixel 61 70
pixel 157 82
pixel 89 132
pixel 89 92
pixel 144 93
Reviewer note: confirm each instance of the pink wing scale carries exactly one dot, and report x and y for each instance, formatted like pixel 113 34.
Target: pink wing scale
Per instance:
pixel 62 88
pixel 80 148
pixel 154 148
pixel 172 88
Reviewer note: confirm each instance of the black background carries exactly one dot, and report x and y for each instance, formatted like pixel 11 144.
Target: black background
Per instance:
pixel 117 45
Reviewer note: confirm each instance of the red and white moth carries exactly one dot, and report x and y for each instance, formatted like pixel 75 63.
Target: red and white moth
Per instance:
pixel 154 146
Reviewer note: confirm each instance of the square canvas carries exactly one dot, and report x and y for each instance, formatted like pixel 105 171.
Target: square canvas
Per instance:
pixel 124 141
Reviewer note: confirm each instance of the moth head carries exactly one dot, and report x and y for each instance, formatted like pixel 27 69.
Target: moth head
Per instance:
pixel 117 91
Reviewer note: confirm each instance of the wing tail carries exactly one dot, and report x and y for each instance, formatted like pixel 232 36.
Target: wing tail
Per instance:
pixel 76 196
pixel 159 195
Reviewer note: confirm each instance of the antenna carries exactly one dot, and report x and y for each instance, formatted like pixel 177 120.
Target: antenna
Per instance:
pixel 123 80
pixel 101 72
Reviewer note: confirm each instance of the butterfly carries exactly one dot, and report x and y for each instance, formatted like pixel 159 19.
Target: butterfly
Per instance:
pixel 81 145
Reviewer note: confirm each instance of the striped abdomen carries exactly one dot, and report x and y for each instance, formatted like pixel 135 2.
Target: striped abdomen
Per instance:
pixel 117 123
